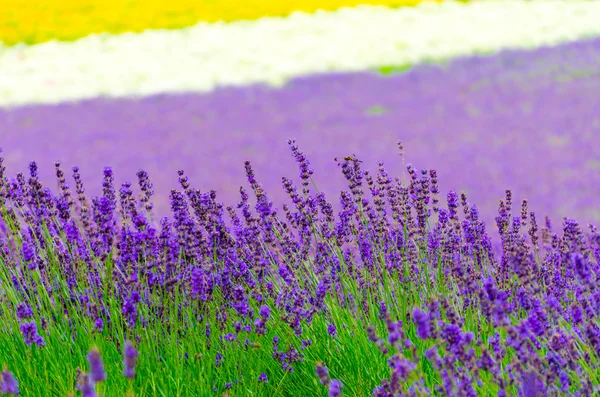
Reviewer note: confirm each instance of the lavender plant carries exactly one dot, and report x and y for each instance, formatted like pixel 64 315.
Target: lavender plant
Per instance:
pixel 397 295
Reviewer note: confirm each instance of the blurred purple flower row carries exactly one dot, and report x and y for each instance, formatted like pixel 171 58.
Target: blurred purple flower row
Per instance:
pixel 525 120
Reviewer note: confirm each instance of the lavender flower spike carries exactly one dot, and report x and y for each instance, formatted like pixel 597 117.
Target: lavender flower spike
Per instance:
pixel 331 330
pixel 421 320
pixel 97 372
pixel 8 384
pixel 323 374
pixel 30 334
pixel 130 360
pixel 86 386
pixel 335 388
pixel 24 311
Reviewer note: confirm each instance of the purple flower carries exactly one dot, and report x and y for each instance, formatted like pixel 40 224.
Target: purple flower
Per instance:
pixel 532 385
pixel 129 308
pixel 263 378
pixel 30 334
pixel 452 199
pixel 264 311
pixel 305 343
pixel 97 372
pixel 323 374
pixel 335 388
pixel 260 325
pixel 28 252
pixel 201 284
pixel 99 324
pixel 86 386
pixel 565 382
pixel 382 310
pixel 230 337
pixel 401 367
pixel 331 330
pixel 146 188
pixel 24 311
pixel 422 321
pixel 8 384
pixel 577 315
pixel 130 355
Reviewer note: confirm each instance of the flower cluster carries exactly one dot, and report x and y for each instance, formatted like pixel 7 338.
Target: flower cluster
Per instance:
pixel 398 297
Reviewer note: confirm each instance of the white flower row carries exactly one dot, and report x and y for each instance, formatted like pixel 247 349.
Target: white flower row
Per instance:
pixel 273 50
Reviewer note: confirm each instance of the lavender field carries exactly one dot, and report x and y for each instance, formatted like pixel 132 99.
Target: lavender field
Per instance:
pixel 423 230
pixel 403 279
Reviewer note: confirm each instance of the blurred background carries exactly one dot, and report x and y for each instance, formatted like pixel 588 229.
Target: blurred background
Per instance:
pixel 491 94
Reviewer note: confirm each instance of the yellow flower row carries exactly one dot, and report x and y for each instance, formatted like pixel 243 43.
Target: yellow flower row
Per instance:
pixel 36 21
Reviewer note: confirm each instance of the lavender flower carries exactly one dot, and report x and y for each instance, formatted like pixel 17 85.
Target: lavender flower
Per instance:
pixel 532 385
pixel 9 384
pixel 86 386
pixel 27 252
pixel 230 337
pixel 130 360
pixel 99 324
pixel 331 330
pixel 335 388
pixel 323 374
pixel 129 309
pixel 305 343
pixel 30 334
pixel 24 311
pixel 422 322
pixel 265 311
pixel 97 373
